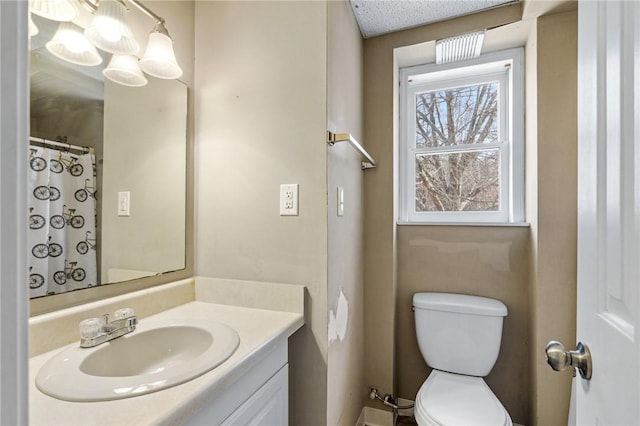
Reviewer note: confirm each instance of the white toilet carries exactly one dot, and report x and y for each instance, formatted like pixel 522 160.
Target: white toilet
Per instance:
pixel 459 337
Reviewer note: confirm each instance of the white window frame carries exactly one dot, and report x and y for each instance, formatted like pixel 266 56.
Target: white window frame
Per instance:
pixel 506 67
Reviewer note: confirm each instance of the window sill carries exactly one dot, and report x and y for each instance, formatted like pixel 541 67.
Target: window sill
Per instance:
pixel 499 224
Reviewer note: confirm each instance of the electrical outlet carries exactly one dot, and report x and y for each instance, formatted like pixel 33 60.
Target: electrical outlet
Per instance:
pixel 289 199
pixel 340 201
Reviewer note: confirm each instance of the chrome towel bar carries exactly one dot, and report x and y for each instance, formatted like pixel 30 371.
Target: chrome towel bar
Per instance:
pixel 333 138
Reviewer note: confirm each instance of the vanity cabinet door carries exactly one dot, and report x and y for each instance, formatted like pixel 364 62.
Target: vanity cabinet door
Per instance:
pixel 269 406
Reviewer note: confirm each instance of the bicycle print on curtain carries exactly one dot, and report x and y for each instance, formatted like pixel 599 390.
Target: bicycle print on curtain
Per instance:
pixel 62 230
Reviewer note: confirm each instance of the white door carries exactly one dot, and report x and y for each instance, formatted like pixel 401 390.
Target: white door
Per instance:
pixel 608 319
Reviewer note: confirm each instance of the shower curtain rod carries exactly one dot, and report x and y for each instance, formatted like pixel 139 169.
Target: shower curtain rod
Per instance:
pixel 60 144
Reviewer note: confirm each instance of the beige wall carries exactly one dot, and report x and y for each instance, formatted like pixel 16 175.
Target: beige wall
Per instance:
pixel 345 387
pixel 552 210
pixel 81 122
pixel 484 261
pixel 380 231
pixel 261 120
pixel 531 192
pixel 541 299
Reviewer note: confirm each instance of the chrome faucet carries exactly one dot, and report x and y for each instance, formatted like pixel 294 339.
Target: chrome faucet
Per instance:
pixel 95 331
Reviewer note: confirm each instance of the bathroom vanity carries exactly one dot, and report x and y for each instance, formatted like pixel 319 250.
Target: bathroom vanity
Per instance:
pixel 251 386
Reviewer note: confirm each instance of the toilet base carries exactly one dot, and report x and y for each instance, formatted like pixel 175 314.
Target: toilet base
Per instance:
pixel 448 399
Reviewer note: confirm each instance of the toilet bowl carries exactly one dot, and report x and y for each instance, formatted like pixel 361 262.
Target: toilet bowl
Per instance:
pixel 454 399
pixel 459 337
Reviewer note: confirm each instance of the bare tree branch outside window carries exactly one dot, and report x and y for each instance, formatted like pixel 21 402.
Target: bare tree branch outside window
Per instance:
pixel 466 180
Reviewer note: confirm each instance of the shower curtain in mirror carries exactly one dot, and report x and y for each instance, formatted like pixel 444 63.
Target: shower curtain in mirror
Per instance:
pixel 62 221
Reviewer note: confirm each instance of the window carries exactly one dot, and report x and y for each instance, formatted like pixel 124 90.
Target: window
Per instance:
pixel 461 141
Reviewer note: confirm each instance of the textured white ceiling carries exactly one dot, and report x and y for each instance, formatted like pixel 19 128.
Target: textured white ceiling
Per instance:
pixel 376 17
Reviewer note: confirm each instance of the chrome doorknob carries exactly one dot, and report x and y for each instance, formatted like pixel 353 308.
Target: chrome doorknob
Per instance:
pixel 559 358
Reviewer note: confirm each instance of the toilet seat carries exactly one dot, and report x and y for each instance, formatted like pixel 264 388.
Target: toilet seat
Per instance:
pixel 447 399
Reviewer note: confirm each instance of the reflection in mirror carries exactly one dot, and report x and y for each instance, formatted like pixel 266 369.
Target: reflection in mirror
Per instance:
pixel 143 162
pixel 107 175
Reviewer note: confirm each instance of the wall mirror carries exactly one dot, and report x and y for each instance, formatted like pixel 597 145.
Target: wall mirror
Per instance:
pixel 107 175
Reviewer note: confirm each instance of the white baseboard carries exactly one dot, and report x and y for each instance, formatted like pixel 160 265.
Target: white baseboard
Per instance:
pixel 375 417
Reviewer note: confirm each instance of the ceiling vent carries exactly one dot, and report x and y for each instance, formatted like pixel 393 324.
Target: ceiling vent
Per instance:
pixel 459 48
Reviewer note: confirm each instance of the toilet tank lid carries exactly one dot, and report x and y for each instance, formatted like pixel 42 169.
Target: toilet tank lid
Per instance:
pixel 462 303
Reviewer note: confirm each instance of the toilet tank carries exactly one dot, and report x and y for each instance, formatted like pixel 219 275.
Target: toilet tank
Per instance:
pixel 459 333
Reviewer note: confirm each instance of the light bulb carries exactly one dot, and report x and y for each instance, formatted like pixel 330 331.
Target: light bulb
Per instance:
pixel 110 30
pixel 75 46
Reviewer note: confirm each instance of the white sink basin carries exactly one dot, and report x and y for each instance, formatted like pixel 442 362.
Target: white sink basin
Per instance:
pixel 154 357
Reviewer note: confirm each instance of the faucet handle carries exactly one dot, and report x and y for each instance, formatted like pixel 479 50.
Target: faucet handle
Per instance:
pixel 90 328
pixel 123 313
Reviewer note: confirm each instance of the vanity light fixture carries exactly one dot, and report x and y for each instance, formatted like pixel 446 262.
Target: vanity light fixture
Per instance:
pixel 109 31
pixel 70 44
pixel 159 60
pixel 56 10
pixel 124 69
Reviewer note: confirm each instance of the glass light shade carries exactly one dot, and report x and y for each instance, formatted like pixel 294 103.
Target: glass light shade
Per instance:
pixel 124 69
pixel 159 59
pixel 70 44
pixel 33 29
pixel 109 30
pixel 56 10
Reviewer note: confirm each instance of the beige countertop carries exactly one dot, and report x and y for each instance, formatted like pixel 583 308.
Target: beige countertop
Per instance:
pixel 259 329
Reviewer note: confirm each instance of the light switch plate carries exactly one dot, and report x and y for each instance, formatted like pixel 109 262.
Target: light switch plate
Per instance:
pixel 124 203
pixel 340 194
